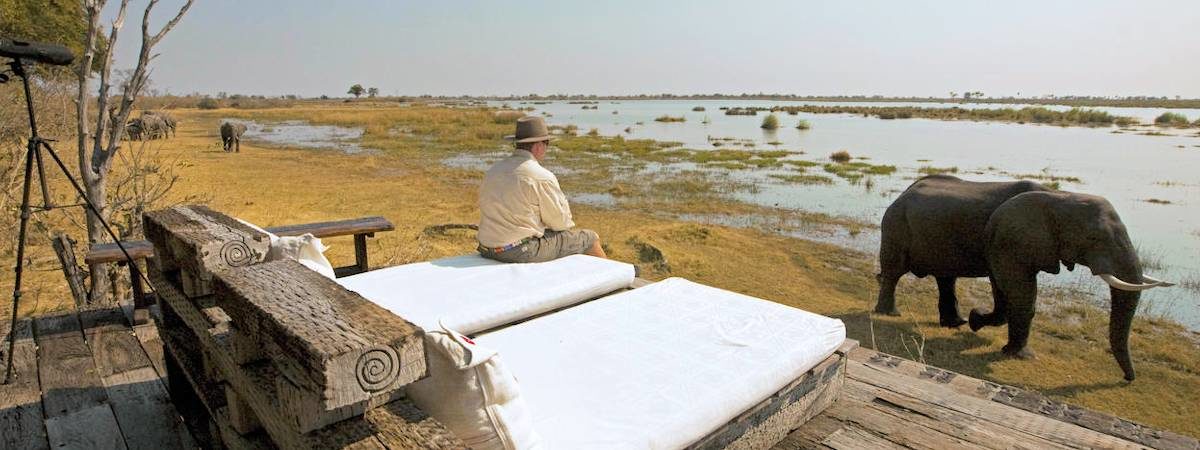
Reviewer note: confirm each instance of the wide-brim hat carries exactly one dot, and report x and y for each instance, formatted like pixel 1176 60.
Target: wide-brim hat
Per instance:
pixel 531 129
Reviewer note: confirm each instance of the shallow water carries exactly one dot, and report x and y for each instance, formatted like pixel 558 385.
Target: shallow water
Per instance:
pixel 1126 168
pixel 298 133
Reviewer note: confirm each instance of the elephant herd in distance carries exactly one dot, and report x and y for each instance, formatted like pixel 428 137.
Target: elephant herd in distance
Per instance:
pixel 151 125
pixel 1009 232
pixel 161 125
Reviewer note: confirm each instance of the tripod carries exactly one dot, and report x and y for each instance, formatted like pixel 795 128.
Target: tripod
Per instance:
pixel 33 155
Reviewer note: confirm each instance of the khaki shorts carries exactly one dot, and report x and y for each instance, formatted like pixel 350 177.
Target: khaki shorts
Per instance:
pixel 552 245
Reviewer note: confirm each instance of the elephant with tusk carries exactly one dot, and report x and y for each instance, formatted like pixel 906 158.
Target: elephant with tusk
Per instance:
pixel 1009 231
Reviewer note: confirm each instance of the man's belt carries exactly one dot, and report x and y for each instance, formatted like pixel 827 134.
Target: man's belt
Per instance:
pixel 510 246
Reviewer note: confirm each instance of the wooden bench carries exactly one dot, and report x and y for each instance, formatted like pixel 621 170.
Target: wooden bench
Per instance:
pixel 361 229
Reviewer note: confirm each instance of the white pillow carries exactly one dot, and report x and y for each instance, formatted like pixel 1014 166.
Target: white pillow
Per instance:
pixel 305 249
pixel 470 392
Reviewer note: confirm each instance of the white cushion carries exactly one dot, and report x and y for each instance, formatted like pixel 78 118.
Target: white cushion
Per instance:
pixel 305 249
pixel 470 392
pixel 472 293
pixel 660 366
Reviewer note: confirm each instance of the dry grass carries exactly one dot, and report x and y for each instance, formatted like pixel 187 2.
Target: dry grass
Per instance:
pixel 405 183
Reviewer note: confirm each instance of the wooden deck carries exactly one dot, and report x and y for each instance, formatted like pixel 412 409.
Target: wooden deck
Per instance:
pixel 91 380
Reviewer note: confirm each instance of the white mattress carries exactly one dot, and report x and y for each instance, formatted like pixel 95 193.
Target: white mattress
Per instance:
pixel 658 367
pixel 471 293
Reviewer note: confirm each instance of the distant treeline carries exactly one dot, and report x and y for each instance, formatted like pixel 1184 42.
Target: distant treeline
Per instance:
pixel 1029 114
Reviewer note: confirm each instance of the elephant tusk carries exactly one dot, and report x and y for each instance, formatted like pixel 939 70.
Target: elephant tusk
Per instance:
pixel 1156 282
pixel 1116 283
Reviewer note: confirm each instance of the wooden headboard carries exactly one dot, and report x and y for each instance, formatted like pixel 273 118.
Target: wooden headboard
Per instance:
pixel 276 347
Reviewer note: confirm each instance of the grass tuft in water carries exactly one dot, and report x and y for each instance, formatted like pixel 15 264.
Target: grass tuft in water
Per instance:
pixel 930 170
pixel 770 122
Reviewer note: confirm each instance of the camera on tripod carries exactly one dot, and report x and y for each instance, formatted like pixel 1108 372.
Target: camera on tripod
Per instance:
pixel 22 53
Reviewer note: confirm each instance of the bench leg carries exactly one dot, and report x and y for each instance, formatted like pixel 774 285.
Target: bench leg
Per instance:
pixel 360 251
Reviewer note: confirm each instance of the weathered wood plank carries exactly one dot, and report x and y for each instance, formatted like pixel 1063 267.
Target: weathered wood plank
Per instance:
pixel 363 225
pixel 959 383
pixel 337 350
pixel 812 433
pixel 255 383
pixel 241 417
pixel 1093 420
pixel 904 433
pixel 853 437
pixel 198 241
pixel 21 419
pixel 91 428
pixel 110 252
pixel 144 410
pixel 1028 401
pixel 1016 419
pixel 114 346
pixel 920 414
pixel 66 370
pixel 147 335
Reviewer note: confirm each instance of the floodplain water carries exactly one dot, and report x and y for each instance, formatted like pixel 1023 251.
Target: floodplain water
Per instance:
pixel 1153 181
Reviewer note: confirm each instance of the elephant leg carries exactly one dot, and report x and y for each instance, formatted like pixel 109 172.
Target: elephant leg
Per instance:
pixel 1022 296
pixel 948 303
pixel 999 314
pixel 886 303
pixel 892 266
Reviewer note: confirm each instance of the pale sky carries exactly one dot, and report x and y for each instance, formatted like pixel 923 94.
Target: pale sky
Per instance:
pixel 919 48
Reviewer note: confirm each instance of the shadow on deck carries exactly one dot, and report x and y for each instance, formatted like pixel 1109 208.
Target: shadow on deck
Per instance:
pixel 91 380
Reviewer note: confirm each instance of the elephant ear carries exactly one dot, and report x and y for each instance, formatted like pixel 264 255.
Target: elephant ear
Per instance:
pixel 1023 233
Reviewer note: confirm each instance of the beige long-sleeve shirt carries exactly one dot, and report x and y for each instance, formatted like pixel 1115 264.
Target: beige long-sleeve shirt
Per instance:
pixel 518 199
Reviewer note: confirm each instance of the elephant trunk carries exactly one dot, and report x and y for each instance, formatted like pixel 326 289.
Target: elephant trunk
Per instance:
pixel 1120 322
pixel 1124 306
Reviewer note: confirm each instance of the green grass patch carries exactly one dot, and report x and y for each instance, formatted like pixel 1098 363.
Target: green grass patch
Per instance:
pixel 668 119
pixel 1171 119
pixel 802 178
pixel 930 170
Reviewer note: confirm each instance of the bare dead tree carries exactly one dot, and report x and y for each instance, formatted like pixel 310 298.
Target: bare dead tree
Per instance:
pixel 96 151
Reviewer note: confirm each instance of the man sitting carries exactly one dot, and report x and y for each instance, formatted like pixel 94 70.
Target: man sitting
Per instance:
pixel 524 215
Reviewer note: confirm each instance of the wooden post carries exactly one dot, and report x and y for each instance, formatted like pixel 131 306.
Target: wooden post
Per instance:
pixel 360 251
pixel 64 246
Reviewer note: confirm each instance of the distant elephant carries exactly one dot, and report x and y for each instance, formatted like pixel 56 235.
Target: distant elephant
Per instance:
pixel 153 126
pixel 1028 232
pixel 134 129
pixel 231 136
pixel 168 121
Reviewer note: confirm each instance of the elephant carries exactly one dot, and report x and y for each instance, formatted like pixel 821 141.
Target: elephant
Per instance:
pixel 1027 228
pixel 152 127
pixel 231 136
pixel 134 129
pixel 168 121
pixel 935 227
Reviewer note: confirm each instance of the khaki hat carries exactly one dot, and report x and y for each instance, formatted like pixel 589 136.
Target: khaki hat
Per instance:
pixel 531 129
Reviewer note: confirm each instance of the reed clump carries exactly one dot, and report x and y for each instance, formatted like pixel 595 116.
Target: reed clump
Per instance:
pixel 1171 119
pixel 803 125
pixel 669 119
pixel 840 156
pixel 770 122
